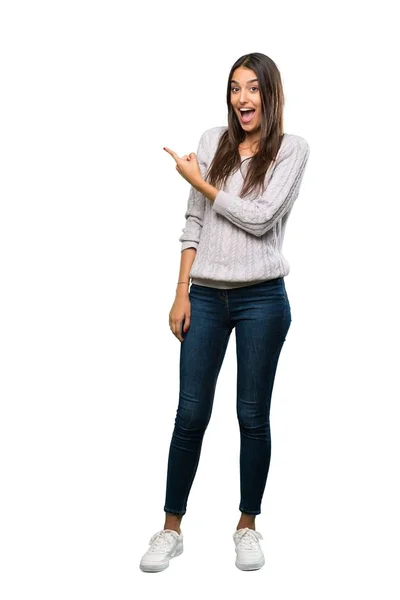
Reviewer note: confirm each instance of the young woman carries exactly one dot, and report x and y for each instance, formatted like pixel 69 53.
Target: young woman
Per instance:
pixel 244 181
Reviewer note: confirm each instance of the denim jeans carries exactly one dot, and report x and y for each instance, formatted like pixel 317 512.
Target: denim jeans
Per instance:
pixel 260 314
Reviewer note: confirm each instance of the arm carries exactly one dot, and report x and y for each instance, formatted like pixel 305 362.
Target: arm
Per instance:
pixel 194 214
pixel 259 215
pixel 187 259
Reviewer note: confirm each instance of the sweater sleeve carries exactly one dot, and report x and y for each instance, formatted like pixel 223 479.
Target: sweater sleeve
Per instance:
pixel 257 216
pixel 196 203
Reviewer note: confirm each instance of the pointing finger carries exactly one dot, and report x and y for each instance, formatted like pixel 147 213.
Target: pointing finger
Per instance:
pixel 171 152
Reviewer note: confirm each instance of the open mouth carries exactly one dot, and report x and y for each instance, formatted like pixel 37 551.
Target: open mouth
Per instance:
pixel 246 115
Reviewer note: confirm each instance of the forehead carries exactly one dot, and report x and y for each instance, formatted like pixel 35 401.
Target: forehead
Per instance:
pixel 243 75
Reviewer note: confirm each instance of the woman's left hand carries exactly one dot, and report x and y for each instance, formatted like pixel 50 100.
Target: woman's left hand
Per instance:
pixel 187 166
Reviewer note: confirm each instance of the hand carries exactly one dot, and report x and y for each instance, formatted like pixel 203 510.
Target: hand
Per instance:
pixel 179 316
pixel 187 166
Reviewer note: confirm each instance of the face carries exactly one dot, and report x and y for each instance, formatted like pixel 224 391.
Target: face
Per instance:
pixel 245 94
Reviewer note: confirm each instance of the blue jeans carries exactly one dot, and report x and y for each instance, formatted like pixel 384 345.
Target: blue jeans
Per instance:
pixel 261 316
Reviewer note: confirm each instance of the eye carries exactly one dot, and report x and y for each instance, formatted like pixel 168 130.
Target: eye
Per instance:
pixel 253 87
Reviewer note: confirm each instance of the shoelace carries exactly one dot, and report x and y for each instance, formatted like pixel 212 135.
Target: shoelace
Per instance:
pixel 247 539
pixel 160 541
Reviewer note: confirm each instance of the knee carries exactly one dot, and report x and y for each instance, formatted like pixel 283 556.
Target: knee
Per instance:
pixel 191 423
pixel 254 427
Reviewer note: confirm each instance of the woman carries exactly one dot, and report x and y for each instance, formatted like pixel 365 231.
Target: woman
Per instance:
pixel 244 181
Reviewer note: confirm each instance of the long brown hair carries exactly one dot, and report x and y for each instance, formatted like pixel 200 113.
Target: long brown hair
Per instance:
pixel 227 158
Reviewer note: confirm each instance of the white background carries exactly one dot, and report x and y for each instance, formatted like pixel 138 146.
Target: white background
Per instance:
pixel 91 211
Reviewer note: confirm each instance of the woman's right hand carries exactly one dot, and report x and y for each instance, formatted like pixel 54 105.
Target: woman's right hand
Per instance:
pixel 180 312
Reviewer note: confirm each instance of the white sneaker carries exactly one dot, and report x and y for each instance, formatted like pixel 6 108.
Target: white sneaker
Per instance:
pixel 249 555
pixel 164 544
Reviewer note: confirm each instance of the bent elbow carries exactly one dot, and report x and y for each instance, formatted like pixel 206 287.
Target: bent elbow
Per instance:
pixel 262 228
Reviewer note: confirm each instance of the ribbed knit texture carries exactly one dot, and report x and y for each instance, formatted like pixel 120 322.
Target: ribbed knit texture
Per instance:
pixel 239 240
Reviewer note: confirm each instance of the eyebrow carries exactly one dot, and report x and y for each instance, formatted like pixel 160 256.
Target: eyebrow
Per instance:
pixel 249 81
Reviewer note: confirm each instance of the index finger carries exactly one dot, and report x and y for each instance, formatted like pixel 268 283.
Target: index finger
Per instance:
pixel 171 152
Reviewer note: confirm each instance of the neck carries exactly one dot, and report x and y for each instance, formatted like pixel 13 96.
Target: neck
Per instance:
pixel 251 140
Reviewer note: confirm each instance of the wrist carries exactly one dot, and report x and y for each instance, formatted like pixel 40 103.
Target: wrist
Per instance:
pixel 197 183
pixel 182 288
pixel 205 188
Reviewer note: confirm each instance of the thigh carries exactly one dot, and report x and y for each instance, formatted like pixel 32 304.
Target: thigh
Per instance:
pixel 262 321
pixel 202 350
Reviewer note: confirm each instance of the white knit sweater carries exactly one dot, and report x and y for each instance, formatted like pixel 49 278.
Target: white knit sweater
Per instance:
pixel 239 240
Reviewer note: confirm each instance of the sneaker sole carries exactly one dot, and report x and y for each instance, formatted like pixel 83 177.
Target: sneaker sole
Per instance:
pixel 250 567
pixel 161 566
